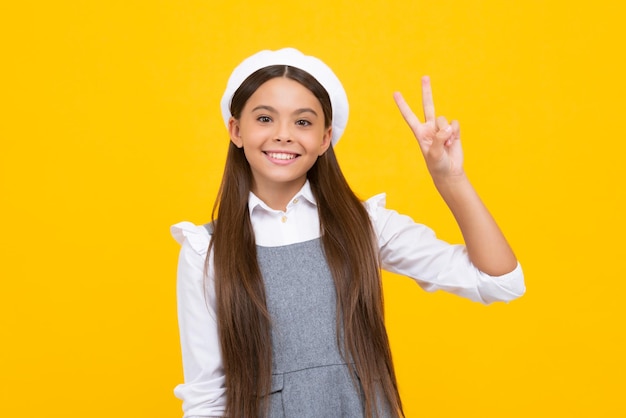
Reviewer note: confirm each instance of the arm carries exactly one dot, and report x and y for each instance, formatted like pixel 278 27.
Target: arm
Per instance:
pixel 440 144
pixel 413 250
pixel 203 392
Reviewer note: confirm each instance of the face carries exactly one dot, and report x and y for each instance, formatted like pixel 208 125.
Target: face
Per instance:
pixel 281 130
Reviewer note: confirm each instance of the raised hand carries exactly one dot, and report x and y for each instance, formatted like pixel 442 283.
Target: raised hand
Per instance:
pixel 439 140
pixel 440 143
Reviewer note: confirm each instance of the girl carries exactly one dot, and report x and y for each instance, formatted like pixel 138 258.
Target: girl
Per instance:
pixel 279 298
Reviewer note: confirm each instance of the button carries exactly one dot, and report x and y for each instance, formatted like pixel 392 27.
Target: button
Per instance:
pixel 283 219
pixel 296 200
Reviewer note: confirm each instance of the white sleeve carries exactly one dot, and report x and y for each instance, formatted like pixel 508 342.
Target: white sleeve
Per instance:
pixel 413 250
pixel 203 391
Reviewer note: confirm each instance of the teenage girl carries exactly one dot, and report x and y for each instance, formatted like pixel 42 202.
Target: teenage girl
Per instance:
pixel 279 298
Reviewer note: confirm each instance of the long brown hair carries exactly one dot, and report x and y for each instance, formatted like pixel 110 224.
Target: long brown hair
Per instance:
pixel 349 244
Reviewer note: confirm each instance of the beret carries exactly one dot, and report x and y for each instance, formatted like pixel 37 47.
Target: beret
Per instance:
pixel 294 58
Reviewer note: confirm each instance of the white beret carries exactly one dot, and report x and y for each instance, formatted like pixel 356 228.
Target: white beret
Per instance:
pixel 294 58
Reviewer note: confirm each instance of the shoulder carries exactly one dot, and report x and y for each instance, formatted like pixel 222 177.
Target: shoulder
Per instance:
pixel 375 206
pixel 379 214
pixel 197 237
pixel 389 224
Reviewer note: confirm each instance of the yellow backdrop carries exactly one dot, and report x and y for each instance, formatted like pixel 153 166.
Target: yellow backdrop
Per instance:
pixel 111 132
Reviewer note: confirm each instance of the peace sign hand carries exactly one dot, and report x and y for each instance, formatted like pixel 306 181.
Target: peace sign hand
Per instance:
pixel 439 140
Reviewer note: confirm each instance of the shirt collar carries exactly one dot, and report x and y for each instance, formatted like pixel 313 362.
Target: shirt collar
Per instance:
pixel 305 193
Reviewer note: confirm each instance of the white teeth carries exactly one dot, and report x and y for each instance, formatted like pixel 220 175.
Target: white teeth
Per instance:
pixel 281 156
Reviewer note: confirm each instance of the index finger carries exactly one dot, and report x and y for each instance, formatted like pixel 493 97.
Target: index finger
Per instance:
pixel 427 100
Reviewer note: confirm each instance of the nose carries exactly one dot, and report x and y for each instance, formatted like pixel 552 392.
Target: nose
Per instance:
pixel 283 134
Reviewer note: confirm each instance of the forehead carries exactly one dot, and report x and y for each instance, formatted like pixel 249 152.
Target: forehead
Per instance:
pixel 285 92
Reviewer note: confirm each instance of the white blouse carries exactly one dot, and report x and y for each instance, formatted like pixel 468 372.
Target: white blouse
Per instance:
pixel 406 248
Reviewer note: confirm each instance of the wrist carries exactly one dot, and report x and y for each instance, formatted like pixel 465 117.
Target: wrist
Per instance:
pixel 450 180
pixel 456 191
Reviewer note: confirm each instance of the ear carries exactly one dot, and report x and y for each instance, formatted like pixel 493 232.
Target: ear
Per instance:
pixel 326 140
pixel 233 131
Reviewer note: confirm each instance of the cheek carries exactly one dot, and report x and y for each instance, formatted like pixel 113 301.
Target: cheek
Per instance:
pixel 255 132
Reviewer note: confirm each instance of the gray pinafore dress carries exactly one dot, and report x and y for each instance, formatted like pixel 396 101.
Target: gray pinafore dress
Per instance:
pixel 310 379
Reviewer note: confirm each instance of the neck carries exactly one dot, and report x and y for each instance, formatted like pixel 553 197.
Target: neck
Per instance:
pixel 277 197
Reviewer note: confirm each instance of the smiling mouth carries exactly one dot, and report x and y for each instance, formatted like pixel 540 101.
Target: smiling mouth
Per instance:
pixel 281 155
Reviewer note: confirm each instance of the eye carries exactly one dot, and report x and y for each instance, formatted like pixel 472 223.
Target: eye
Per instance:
pixel 264 119
pixel 303 122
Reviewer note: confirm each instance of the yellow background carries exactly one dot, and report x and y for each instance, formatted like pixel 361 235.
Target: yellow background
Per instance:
pixel 110 131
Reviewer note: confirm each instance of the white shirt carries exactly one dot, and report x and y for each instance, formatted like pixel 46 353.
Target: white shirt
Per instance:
pixel 406 248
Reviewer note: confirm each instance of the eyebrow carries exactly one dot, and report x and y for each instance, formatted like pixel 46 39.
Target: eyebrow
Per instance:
pixel 296 112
